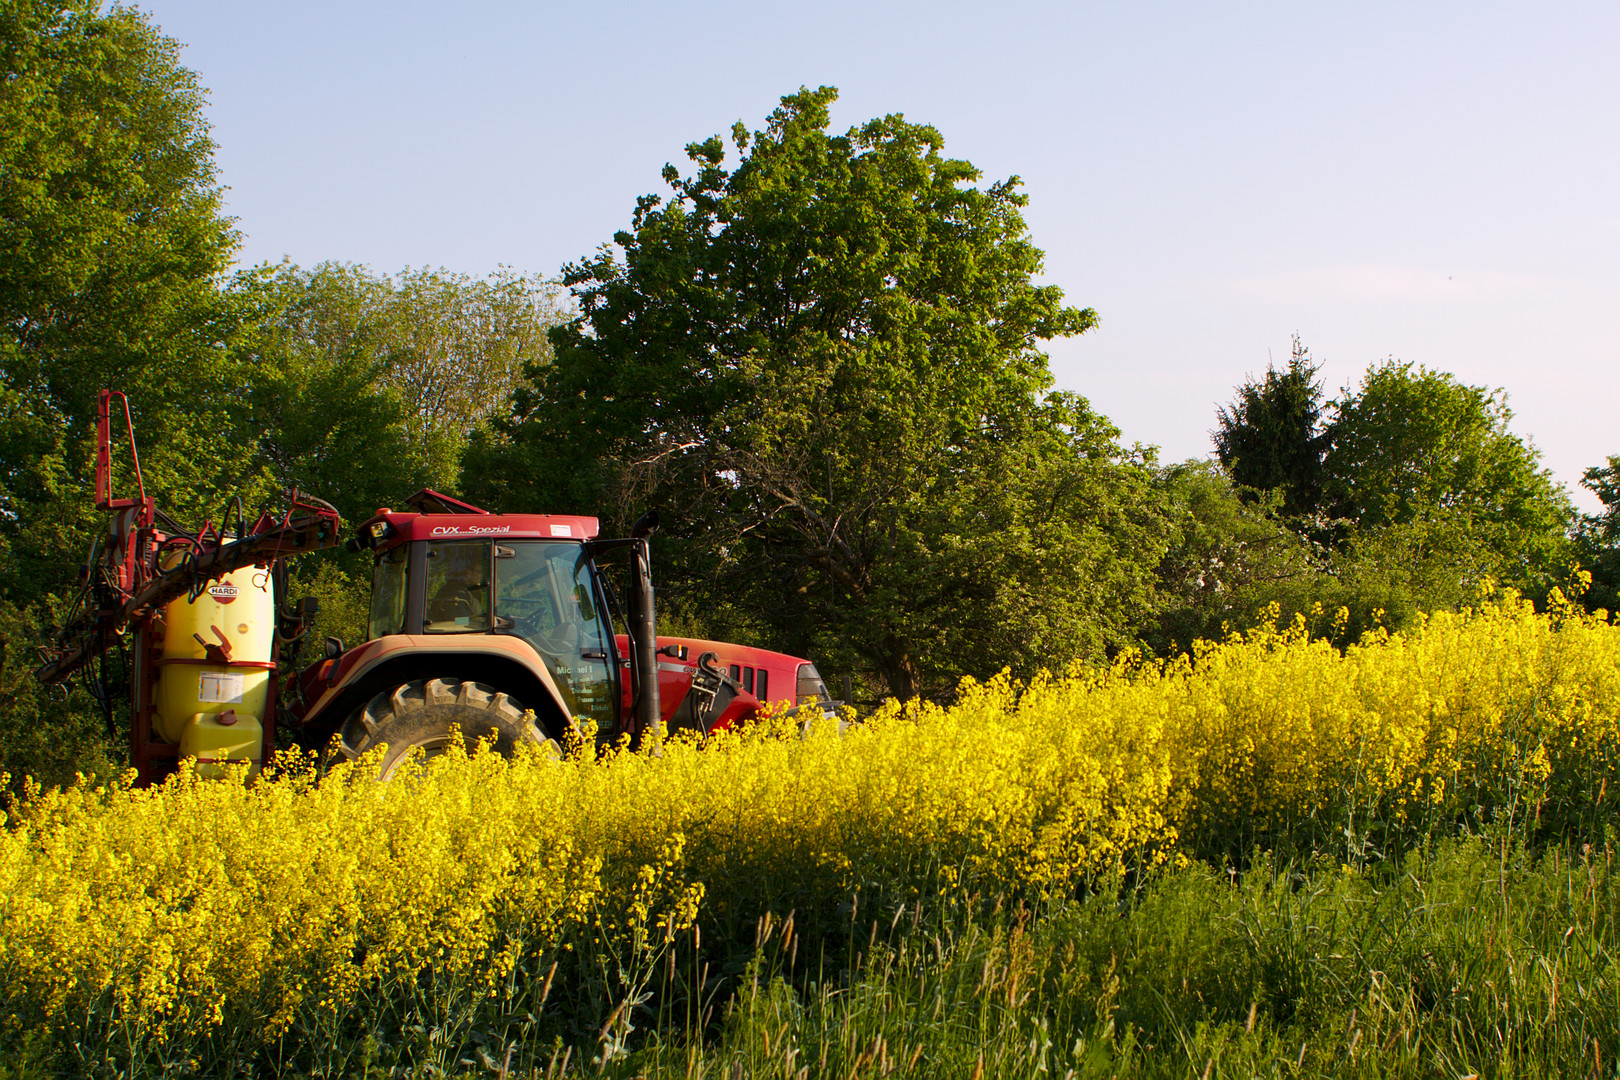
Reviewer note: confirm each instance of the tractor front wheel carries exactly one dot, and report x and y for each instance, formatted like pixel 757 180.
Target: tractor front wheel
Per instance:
pixel 426 715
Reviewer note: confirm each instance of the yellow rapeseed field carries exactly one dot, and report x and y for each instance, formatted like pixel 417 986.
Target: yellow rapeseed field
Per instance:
pixel 153 916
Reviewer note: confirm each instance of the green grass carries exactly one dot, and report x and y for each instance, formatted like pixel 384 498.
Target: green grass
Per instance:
pixel 1480 958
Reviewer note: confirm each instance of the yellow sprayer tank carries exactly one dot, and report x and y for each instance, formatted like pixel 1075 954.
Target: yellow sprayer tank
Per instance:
pixel 214 671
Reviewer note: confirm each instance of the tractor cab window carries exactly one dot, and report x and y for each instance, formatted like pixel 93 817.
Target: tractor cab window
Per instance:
pixel 545 593
pixel 388 593
pixel 457 586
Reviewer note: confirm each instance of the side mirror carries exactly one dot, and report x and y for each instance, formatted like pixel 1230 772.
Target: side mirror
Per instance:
pixel 307 608
pixel 332 648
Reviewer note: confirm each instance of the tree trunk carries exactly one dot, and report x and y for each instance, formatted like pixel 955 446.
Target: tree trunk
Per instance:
pixel 900 672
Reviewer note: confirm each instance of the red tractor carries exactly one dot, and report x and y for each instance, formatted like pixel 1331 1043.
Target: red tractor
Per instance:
pixel 499 625
pixel 494 625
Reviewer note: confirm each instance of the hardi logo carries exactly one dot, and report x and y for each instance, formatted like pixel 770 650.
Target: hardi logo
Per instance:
pixel 223 591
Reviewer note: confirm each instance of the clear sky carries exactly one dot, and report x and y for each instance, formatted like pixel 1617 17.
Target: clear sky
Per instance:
pixel 1436 182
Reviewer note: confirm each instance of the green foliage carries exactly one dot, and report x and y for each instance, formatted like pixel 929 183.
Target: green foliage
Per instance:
pixel 823 365
pixel 46 733
pixel 1232 555
pixel 1412 441
pixel 112 251
pixel 112 233
pixel 1411 494
pixel 1271 437
pixel 367 386
pixel 111 248
pixel 327 424
pixel 1443 496
pixel 1481 958
pixel 1598 539
pixel 455 348
pixel 345 595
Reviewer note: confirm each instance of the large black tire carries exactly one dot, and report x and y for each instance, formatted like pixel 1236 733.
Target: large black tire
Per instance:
pixel 420 715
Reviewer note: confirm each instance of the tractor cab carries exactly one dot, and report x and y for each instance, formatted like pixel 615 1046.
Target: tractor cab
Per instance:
pixel 512 603
pixel 525 576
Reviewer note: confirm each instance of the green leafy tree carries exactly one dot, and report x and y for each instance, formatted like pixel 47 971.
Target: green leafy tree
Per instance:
pixel 1408 493
pixel 1235 561
pixel 325 421
pixel 824 366
pixel 112 251
pixel 112 236
pixel 455 348
pixel 1429 473
pixel 1271 437
pixel 112 246
pixel 367 386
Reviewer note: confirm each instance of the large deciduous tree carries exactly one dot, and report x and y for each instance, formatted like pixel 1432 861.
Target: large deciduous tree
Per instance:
pixel 1422 458
pixel 111 236
pixel 112 252
pixel 824 365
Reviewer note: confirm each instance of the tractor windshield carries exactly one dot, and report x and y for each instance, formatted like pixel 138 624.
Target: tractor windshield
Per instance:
pixel 545 592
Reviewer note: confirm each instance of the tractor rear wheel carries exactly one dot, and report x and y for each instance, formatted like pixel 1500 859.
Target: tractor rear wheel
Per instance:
pixel 420 715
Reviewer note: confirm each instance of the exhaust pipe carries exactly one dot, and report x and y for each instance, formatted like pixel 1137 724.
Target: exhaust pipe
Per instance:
pixel 644 627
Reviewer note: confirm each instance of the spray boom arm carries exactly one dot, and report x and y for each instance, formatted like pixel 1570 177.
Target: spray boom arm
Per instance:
pixel 125 580
pixel 93 632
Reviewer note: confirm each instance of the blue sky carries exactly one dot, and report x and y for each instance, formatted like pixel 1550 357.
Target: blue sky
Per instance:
pixel 1438 182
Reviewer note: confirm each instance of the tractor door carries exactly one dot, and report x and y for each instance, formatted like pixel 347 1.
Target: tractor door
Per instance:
pixel 546 592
